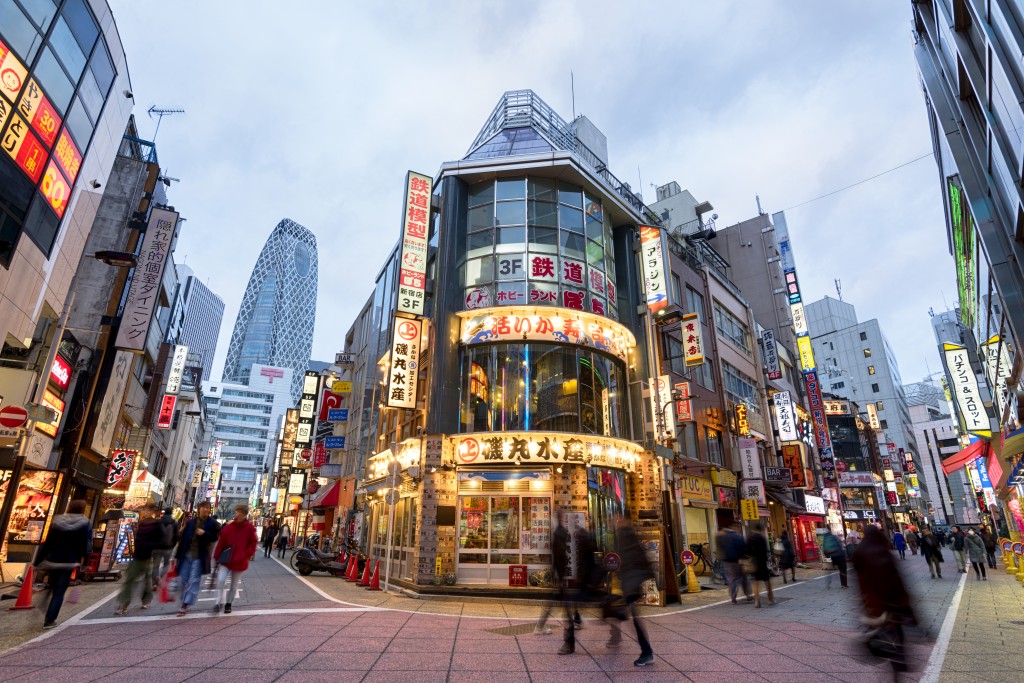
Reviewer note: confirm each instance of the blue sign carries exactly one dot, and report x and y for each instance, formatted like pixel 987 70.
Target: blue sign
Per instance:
pixel 334 442
pixel 337 415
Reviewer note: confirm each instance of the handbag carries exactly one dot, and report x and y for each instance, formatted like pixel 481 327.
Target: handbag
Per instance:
pixel 225 556
pixel 778 548
pixel 747 565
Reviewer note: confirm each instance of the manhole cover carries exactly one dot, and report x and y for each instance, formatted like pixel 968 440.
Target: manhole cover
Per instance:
pixel 517 630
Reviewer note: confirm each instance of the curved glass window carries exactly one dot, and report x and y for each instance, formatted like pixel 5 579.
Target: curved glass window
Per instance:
pixel 511 188
pixel 543 387
pixel 510 213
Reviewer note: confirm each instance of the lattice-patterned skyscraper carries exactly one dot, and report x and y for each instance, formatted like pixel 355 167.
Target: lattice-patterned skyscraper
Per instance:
pixel 275 321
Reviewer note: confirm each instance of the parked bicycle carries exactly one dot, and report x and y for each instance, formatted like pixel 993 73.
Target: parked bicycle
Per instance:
pixel 703 564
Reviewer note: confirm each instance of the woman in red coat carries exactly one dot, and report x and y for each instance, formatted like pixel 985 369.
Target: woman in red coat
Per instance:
pixel 236 546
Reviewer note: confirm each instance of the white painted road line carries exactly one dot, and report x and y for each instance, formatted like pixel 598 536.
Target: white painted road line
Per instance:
pixel 934 668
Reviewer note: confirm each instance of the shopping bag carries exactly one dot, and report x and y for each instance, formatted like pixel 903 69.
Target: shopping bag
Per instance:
pixel 73 595
pixel 166 586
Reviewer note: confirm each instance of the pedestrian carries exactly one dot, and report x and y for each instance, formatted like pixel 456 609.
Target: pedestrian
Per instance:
pixel 149 537
pixel 282 539
pixel 912 541
pixel 787 558
pixel 757 549
pixel 193 554
pixel 932 552
pixel 634 572
pixel 989 539
pixel 956 539
pixel 67 544
pixel 942 537
pixel 269 534
pixel 560 567
pixel 162 555
pixel 899 541
pixel 884 597
pixel 235 547
pixel 976 552
pixel 731 548
pixel 833 550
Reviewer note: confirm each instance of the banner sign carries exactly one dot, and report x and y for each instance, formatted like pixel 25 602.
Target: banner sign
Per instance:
pixel 145 286
pixel 653 258
pixel 750 461
pixel 998 367
pixel 403 372
pixel 873 417
pixel 537 448
pixel 684 407
pixel 165 417
pixel 771 355
pixel 799 319
pixel 803 345
pixel 693 344
pixel 177 369
pixel 307 409
pixel 412 285
pixel 793 459
pixel 785 418
pixel 319 455
pixel 328 402
pixel 119 472
pixel 334 442
pixel 110 409
pixel 965 390
pixel 339 415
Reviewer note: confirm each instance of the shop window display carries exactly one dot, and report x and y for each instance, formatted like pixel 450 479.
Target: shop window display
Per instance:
pixel 606 496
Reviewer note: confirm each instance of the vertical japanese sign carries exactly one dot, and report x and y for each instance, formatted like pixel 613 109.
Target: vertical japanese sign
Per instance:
pixel 965 389
pixel 998 367
pixel 803 345
pixel 652 255
pixel 693 345
pixel 145 288
pixel 177 369
pixel 684 407
pixel 664 419
pixel 307 409
pixel 771 355
pixel 792 459
pixel 412 284
pixel 405 361
pixel 165 416
pixel 799 318
pixel 291 430
pixel 821 433
pixel 785 418
pixel 110 409
pixel 119 472
pixel 750 460
pixel 873 417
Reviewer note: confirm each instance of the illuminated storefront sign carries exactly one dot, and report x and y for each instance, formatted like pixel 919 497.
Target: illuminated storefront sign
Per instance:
pixel 12 74
pixel 838 408
pixel 56 189
pixel 307 409
pixel 965 389
pixel 799 319
pixel 695 488
pixel 60 373
pixel 24 147
pixel 67 156
pixel 873 417
pixel 998 368
pixel 771 355
pixel 38 111
pixel 145 286
pixel 538 448
pixel 291 428
pixel 177 369
pixel 814 505
pixel 166 415
pixel 119 472
pixel 413 265
pixel 552 325
pixel 963 251
pixel 55 403
pixel 792 458
pixel 403 370
pixel 750 459
pixel 803 345
pixel 693 343
pixel 742 422
pixel 653 257
pixel 662 404
pixel 785 420
pixel 856 479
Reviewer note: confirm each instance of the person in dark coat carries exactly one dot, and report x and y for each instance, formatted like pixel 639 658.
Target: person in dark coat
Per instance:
pixel 269 534
pixel 976 554
pixel 956 540
pixel 884 596
pixel 162 555
pixel 989 539
pixel 899 541
pixel 193 554
pixel 560 550
pixel 932 551
pixel 149 538
pixel 731 547
pixel 757 550
pixel 67 543
pixel 832 548
pixel 634 572
pixel 787 558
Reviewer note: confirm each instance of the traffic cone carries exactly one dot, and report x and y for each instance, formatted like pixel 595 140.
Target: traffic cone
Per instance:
pixel 692 585
pixel 375 581
pixel 365 581
pixel 351 571
pixel 24 600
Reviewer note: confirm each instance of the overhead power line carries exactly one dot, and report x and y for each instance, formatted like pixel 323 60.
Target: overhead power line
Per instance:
pixel 860 182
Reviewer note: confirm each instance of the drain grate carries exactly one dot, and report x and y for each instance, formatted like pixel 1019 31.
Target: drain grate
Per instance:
pixel 517 630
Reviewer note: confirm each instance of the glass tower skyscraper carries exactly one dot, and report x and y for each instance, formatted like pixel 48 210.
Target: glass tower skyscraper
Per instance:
pixel 275 321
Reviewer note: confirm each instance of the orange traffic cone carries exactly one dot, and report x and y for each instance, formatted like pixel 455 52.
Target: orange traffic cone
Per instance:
pixel 348 569
pixel 24 600
pixel 375 581
pixel 354 569
pixel 365 581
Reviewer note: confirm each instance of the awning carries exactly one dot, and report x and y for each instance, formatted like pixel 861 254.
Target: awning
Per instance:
pixel 978 449
pixel 326 497
pixel 785 501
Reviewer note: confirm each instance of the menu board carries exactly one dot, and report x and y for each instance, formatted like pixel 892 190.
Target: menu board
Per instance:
pixel 31 512
pixel 540 524
pixel 650 541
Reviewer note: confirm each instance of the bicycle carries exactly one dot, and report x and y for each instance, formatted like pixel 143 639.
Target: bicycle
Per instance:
pixel 702 562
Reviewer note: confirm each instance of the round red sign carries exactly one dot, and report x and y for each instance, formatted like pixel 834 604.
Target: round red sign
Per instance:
pixel 612 562
pixel 469 450
pixel 408 331
pixel 687 557
pixel 13 417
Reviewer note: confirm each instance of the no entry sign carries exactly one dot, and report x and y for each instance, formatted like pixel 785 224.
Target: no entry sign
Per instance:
pixel 13 417
pixel 687 557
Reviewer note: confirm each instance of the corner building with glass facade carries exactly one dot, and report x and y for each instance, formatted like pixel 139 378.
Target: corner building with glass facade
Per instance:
pixel 531 394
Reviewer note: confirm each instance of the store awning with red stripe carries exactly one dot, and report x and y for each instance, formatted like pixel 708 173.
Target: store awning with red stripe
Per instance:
pixel 326 497
pixel 978 449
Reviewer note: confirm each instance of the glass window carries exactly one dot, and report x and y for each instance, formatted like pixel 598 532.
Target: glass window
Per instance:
pixel 863 336
pixel 874 388
pixel 511 239
pixel 473 527
pixel 541 188
pixel 511 188
pixel 544 239
pixel 81 22
pixel 19 33
pixel 570 219
pixel 505 525
pixel 481 217
pixel 478 270
pixel 570 194
pixel 41 12
pixel 867 353
pixel 541 213
pixel 695 303
pixel 481 193
pixel 595 229
pixel 89 92
pixel 510 213
pixel 731 327
pixel 739 387
pixel 41 225
pixel 595 254
pixel 102 69
pixel 67 49
pixel 480 243
pixel 713 442
pixel 53 79
pixel 871 369
pixel 880 405
pixel 573 245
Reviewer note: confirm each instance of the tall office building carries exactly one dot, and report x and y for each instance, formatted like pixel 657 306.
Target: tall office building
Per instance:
pixel 275 320
pixel 203 313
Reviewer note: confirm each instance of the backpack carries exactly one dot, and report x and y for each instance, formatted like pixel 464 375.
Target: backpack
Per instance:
pixel 830 545
pixel 170 533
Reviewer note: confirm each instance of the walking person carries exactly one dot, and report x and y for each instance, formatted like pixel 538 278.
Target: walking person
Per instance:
pixel 787 558
pixel 912 541
pixel 956 539
pixel 932 553
pixel 976 553
pixel 884 597
pixel 757 549
pixel 269 534
pixel 833 550
pixel 235 547
pixel 560 550
pixel 634 572
pixel 67 544
pixel 989 539
pixel 731 548
pixel 162 555
pixel 282 539
pixel 899 541
pixel 149 537
pixel 193 554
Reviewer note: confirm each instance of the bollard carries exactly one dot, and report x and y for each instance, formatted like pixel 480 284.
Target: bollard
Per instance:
pixel 692 585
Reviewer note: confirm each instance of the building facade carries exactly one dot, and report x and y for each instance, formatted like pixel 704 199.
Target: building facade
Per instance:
pixel 203 313
pixel 278 311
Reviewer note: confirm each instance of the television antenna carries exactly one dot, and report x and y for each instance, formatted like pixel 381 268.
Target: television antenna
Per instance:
pixel 160 114
pixel 839 288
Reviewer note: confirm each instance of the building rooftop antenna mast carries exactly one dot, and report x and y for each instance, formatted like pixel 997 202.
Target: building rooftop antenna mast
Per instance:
pixel 160 114
pixel 839 288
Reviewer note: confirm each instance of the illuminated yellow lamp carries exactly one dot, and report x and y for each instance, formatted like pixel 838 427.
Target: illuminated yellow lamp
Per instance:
pixel 295 500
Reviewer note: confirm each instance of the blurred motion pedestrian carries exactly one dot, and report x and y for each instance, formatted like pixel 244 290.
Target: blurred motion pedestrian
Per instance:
pixel 932 552
pixel 899 541
pixel 884 596
pixel 162 555
pixel 731 549
pixel 66 546
pixel 560 558
pixel 787 558
pixel 832 547
pixel 989 539
pixel 757 549
pixel 956 540
pixel 269 534
pixel 913 540
pixel 282 539
pixel 193 554
pixel 149 537
pixel 634 572
pixel 236 545
pixel 976 553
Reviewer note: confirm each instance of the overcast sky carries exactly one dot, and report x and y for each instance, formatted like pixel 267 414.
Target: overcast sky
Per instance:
pixel 315 110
